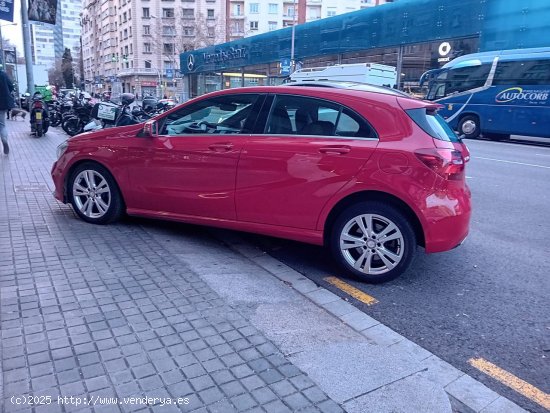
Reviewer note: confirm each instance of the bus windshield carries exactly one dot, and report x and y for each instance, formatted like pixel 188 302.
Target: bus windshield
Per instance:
pixel 458 79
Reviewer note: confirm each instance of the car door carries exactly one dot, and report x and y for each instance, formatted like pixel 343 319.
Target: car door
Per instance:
pixel 189 167
pixel 308 150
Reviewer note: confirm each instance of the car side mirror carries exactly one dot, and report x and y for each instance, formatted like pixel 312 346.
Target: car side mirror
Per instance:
pixel 150 129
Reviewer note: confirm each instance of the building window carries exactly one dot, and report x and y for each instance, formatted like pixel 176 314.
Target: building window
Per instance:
pixel 272 26
pixel 211 32
pixel 146 30
pixel 146 13
pixel 146 47
pixel 237 11
pixel 188 13
pixel 331 13
pixel 124 17
pixel 189 31
pixel 273 8
pixel 290 11
pixel 210 14
pixel 168 48
pixel 147 64
pixel 253 25
pixel 168 13
pixel 168 30
pixel 254 8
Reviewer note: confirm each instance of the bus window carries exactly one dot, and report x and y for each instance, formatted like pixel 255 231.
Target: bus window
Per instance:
pixel 523 72
pixel 466 78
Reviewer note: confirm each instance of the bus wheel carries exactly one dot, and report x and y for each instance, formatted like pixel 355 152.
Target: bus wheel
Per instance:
pixel 469 126
pixel 496 136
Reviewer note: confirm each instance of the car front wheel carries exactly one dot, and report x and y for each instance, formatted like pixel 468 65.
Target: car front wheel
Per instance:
pixel 373 241
pixel 94 194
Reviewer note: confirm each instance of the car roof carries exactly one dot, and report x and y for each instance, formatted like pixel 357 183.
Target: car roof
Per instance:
pixel 349 85
pixel 349 89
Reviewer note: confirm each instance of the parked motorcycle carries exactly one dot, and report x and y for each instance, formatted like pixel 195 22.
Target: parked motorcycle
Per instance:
pixel 39 116
pixel 74 124
pixel 55 114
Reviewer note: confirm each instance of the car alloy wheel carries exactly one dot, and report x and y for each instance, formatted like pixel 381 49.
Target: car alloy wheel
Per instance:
pixel 94 194
pixel 91 194
pixel 372 244
pixel 373 241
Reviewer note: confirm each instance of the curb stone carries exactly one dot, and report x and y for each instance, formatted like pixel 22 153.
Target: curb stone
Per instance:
pixel 466 394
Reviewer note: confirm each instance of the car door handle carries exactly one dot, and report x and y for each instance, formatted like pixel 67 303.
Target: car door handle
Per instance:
pixel 221 147
pixel 335 150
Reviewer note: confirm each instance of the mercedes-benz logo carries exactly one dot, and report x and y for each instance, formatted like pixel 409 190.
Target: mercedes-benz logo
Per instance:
pixel 190 62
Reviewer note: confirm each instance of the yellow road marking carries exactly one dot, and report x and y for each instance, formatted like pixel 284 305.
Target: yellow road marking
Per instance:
pixel 515 383
pixel 351 290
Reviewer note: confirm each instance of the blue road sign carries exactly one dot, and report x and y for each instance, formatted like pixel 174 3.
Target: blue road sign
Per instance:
pixel 6 10
pixel 285 67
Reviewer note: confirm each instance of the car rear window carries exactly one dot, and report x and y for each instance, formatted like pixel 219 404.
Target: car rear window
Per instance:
pixel 433 124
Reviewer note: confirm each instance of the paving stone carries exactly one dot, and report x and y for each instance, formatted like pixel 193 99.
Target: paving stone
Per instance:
pixel 137 321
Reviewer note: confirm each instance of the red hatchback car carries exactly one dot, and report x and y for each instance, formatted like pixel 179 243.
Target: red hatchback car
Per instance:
pixel 366 171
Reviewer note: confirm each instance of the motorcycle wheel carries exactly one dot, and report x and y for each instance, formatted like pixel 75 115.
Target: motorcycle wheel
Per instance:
pixel 55 119
pixel 39 131
pixel 72 126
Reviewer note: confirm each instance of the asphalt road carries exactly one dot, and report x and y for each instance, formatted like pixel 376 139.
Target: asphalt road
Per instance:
pixel 490 298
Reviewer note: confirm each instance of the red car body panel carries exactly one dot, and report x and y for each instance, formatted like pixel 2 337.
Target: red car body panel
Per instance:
pixel 280 185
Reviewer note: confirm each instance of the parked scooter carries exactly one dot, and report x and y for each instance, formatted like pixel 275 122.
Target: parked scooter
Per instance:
pixel 74 124
pixel 39 116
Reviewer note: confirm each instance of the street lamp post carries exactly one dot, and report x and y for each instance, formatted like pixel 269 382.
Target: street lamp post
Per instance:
pixel 292 37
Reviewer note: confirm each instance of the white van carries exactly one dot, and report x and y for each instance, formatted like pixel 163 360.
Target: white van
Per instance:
pixel 371 73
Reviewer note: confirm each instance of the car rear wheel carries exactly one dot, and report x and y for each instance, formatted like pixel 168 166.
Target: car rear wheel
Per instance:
pixel 373 241
pixel 94 194
pixel 469 126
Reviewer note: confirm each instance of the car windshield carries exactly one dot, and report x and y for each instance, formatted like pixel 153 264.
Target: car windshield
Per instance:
pixel 225 114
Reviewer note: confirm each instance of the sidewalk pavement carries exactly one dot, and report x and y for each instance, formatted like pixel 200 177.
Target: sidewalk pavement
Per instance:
pixel 187 315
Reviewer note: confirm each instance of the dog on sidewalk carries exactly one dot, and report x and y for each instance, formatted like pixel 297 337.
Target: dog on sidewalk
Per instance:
pixel 15 112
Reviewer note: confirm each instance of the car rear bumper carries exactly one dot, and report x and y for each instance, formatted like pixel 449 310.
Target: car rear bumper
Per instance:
pixel 448 220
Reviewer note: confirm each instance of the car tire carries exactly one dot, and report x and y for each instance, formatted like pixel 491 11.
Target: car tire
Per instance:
pixel 355 241
pixel 94 194
pixel 469 127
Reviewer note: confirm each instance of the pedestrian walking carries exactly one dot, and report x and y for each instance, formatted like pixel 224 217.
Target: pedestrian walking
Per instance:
pixel 6 104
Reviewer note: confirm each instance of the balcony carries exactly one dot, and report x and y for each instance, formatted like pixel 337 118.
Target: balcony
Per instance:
pixel 138 71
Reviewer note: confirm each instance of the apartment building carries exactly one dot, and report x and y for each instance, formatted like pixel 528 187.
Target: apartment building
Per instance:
pixel 138 42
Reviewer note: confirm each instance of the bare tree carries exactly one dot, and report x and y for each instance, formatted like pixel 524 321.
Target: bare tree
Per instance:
pixel 55 75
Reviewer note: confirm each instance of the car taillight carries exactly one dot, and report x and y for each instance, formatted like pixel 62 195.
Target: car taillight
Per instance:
pixel 447 163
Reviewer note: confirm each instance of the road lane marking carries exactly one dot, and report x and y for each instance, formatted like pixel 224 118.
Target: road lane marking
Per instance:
pixel 351 290
pixel 542 154
pixel 517 163
pixel 515 383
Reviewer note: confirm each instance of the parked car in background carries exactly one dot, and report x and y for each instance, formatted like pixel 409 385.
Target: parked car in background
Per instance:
pixel 366 171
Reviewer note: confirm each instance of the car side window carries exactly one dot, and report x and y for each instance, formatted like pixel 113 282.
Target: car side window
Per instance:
pixel 298 115
pixel 352 125
pixel 220 115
